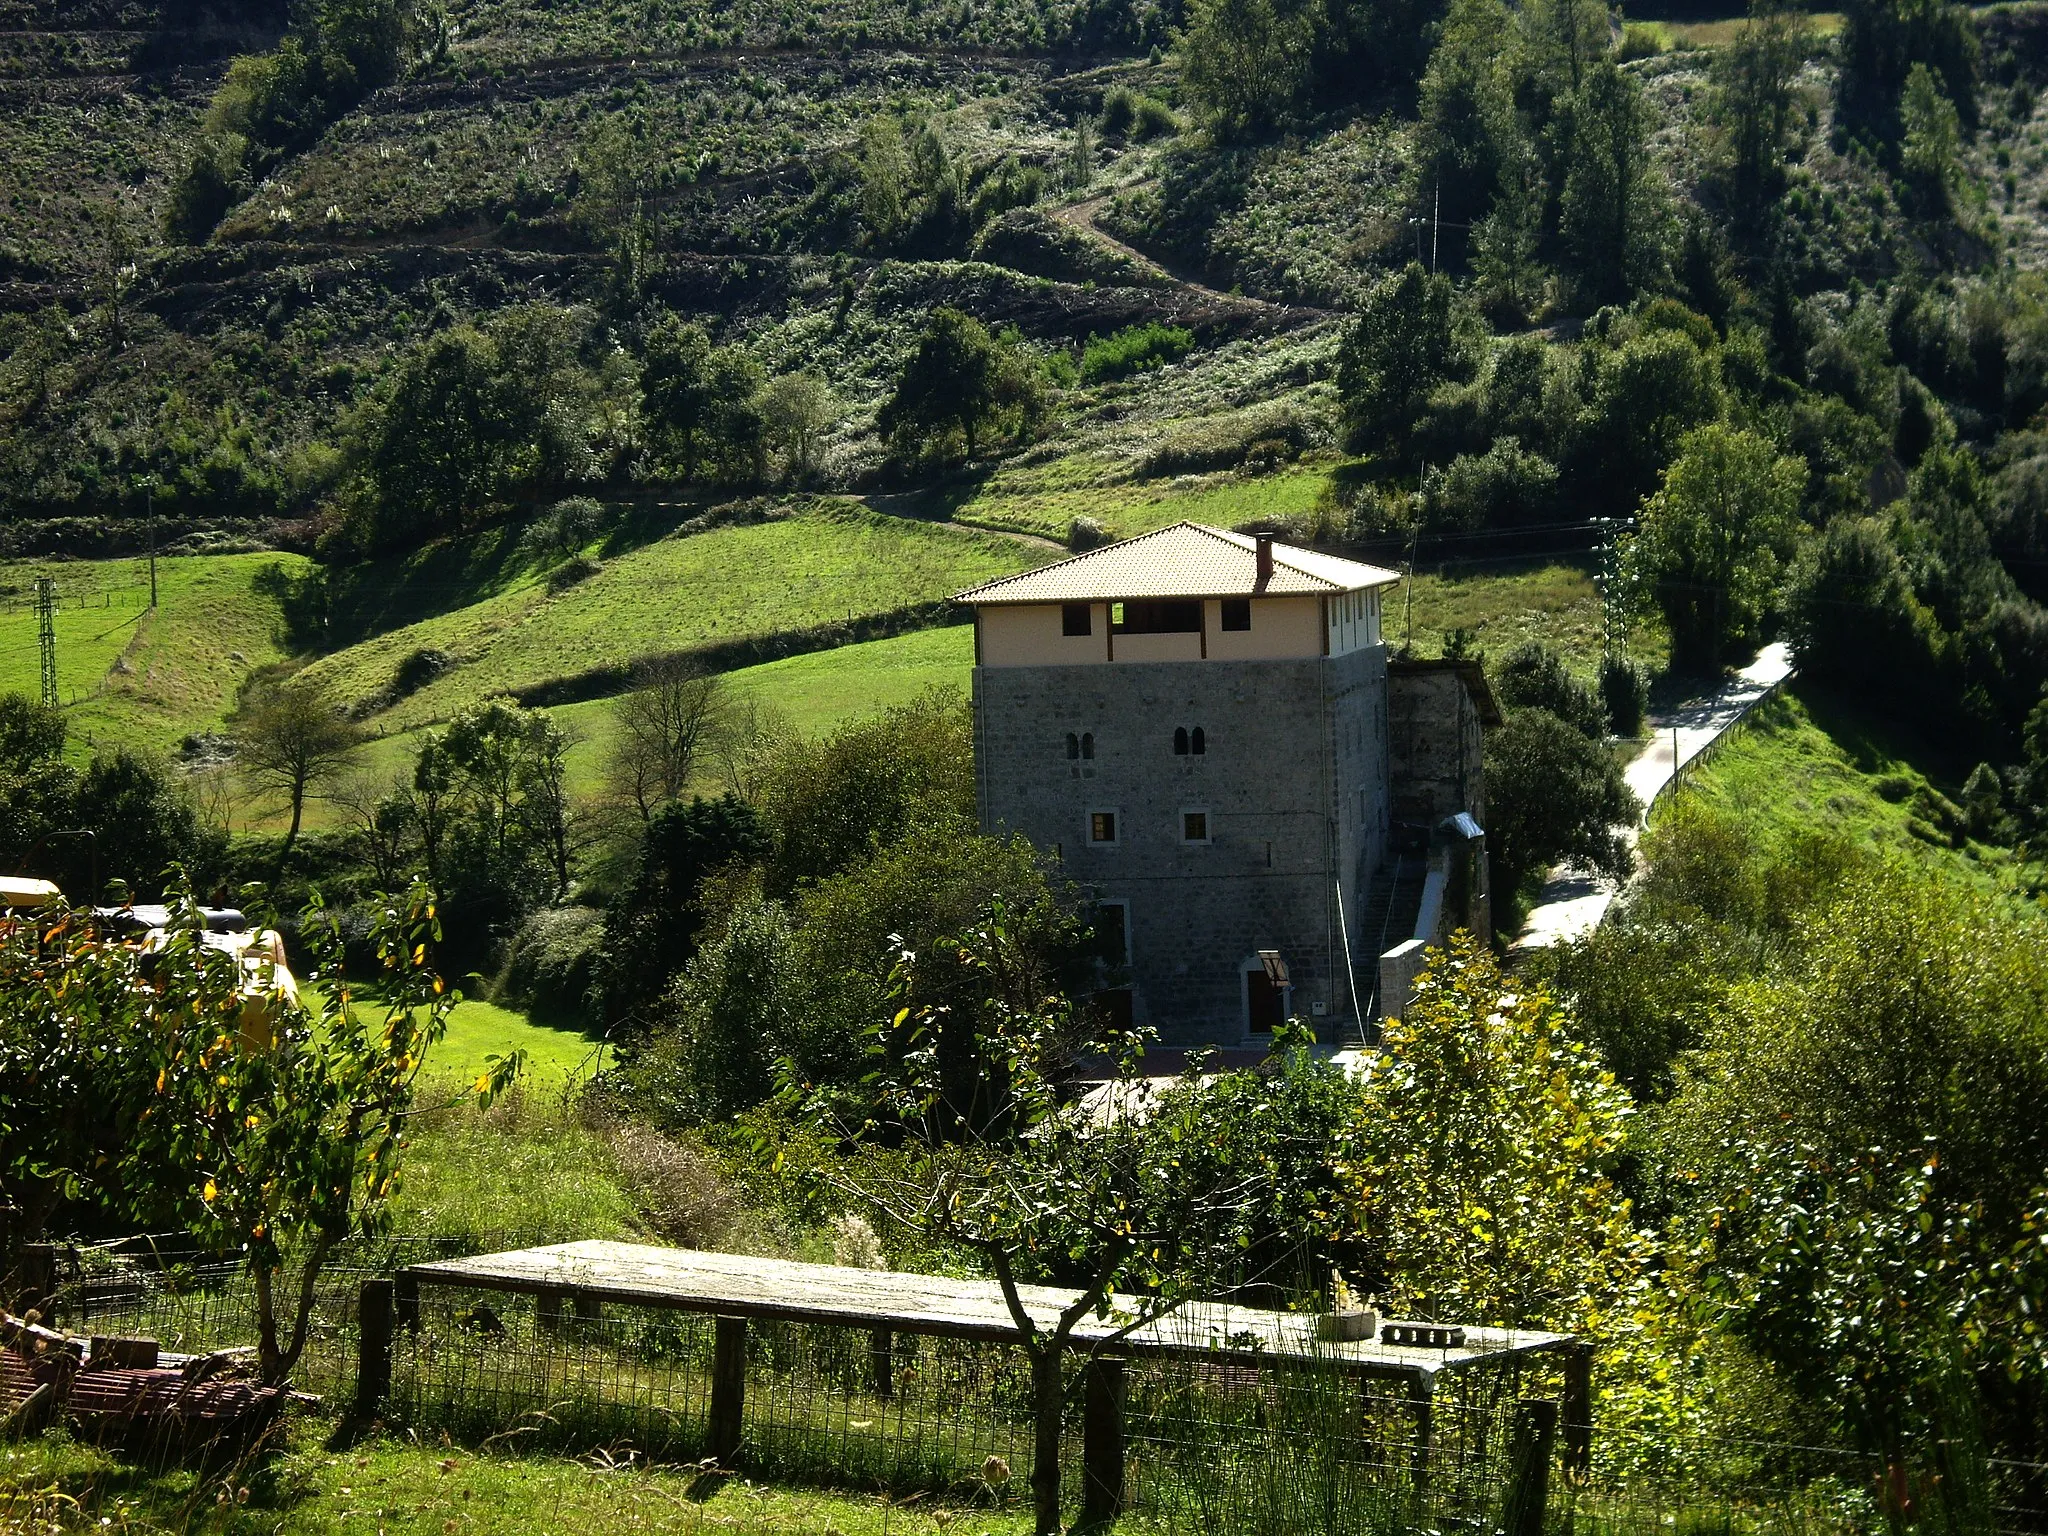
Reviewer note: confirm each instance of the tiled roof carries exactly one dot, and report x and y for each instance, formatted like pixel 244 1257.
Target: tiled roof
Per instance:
pixel 1184 560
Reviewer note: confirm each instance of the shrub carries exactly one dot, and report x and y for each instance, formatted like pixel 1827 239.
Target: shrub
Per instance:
pixel 1086 533
pixel 1501 487
pixel 417 669
pixel 552 964
pixel 1535 677
pixel 1225 442
pixel 1625 692
pixel 570 572
pixel 1135 349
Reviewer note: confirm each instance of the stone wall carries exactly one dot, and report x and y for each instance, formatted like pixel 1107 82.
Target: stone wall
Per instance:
pixel 1435 735
pixel 1293 783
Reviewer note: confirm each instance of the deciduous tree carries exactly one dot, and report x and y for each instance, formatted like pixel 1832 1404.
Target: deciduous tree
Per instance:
pixel 293 741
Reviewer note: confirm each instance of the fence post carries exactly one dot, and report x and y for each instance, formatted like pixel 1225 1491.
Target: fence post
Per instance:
pixel 1578 1411
pixel 882 1362
pixel 405 1292
pixel 1529 1450
pixel 728 1388
pixel 1422 1397
pixel 1102 1442
pixel 373 1350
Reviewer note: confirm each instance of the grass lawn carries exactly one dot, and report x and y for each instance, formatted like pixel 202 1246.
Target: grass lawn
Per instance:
pixel 816 692
pixel 133 678
pixel 403 1489
pixel 1807 760
pixel 1544 599
pixel 729 583
pixel 477 1030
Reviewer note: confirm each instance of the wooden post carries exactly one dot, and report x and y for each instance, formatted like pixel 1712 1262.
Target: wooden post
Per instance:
pixel 1529 1448
pixel 728 1389
pixel 547 1311
pixel 1422 1395
pixel 405 1294
pixel 373 1351
pixel 1102 1441
pixel 1578 1412
pixel 882 1362
pixel 589 1308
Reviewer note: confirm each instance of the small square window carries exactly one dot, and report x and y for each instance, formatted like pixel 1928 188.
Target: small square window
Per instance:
pixel 1237 613
pixel 1194 826
pixel 1077 618
pixel 1102 827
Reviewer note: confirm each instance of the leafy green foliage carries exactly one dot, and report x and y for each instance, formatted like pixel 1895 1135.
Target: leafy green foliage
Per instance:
pixel 651 930
pixel 1535 676
pixel 960 380
pixel 1551 795
pixel 1715 539
pixel 1134 350
pixel 1404 344
pixel 1478 1162
pixel 1243 62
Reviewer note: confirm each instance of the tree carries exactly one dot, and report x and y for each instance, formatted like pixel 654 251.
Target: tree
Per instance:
pixel 1011 1174
pixel 1716 537
pixel 1933 135
pixel 292 742
pixel 1242 63
pixel 1861 1150
pixel 1753 101
pixel 449 431
pixel 675 384
pixel 1403 344
pixel 169 1087
pixel 830 803
pixel 651 930
pixel 1854 619
pixel 1551 795
pixel 1612 214
pixel 1535 676
pixel 797 409
pixel 738 433
pixel 666 731
pixel 1479 1160
pixel 953 382
pixel 1469 145
pixel 1881 41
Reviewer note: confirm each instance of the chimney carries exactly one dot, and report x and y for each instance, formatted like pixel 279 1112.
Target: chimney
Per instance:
pixel 1265 558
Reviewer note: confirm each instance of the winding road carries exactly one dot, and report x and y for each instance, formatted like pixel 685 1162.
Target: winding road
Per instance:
pixel 1574 899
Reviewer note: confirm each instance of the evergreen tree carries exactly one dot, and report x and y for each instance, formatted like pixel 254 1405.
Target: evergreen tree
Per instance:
pixel 1613 212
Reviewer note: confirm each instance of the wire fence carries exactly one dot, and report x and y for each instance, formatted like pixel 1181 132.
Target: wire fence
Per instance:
pixel 1208 1446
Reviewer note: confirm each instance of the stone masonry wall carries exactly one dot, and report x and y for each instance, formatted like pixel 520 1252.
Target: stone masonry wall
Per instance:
pixel 1293 783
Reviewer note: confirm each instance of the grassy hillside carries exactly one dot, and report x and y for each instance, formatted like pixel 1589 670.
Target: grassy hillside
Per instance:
pixel 676 594
pixel 1810 760
pixel 131 677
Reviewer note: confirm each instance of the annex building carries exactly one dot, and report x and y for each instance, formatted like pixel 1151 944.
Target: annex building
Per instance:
pixel 1205 729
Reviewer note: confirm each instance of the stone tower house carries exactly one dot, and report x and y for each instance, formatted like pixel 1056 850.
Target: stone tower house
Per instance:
pixel 1196 725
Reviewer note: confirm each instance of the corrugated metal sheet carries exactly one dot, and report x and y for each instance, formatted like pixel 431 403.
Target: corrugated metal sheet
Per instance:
pixel 1184 560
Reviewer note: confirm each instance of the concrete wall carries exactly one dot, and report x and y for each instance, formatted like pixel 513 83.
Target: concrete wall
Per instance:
pixel 1294 785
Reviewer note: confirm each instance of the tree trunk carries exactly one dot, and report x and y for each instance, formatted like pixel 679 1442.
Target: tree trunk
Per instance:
pixel 1048 1400
pixel 292 832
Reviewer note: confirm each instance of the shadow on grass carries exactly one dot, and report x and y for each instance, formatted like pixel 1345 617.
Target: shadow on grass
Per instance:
pixel 1877 741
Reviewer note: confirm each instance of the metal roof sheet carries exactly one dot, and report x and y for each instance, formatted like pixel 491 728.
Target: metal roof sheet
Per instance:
pixel 1182 560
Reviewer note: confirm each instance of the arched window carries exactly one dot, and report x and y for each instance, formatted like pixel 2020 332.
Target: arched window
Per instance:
pixel 1087 743
pixel 1073 745
pixel 1180 741
pixel 1201 744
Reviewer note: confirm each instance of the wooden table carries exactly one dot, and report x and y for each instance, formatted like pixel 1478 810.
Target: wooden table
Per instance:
pixel 734 1288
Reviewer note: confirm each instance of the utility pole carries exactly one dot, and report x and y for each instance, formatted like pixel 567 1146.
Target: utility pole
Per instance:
pixel 1436 224
pixel 149 500
pixel 46 635
pixel 1408 586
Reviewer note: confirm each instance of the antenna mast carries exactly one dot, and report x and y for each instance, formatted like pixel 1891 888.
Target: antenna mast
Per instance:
pixel 46 635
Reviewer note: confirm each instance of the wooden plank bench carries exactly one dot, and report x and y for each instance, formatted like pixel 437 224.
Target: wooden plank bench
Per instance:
pixel 737 1288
